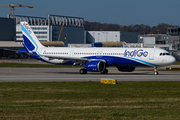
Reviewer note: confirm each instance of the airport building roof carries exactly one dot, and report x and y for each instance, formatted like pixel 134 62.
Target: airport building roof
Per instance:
pixel 5 44
pixel 52 20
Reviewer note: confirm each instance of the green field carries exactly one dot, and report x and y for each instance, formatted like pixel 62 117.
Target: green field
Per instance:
pixel 90 100
pixel 177 63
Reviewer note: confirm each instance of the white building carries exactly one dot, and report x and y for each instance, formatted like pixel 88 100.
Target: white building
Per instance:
pixel 111 36
pixel 41 32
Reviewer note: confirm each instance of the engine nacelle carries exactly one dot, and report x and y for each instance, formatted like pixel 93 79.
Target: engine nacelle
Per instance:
pixel 95 66
pixel 126 68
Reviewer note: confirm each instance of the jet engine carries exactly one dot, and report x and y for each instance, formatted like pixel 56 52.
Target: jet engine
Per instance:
pixel 95 66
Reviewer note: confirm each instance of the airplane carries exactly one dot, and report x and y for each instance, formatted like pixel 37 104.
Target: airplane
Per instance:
pixel 94 59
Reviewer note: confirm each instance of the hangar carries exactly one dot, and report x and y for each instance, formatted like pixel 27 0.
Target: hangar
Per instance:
pixel 111 36
pixel 70 28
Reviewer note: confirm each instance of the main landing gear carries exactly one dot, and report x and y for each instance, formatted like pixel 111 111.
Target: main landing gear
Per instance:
pixel 83 71
pixel 155 71
pixel 105 71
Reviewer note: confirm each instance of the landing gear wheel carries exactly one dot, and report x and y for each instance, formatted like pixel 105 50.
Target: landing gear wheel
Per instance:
pixel 155 71
pixel 105 71
pixel 83 71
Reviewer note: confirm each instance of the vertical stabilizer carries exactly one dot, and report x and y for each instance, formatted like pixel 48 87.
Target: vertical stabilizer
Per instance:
pixel 31 43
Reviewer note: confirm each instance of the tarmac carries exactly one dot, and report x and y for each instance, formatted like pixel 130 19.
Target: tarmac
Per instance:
pixel 9 74
pixel 72 75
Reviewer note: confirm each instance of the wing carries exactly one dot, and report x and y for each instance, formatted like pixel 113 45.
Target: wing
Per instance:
pixel 75 59
pixel 69 58
pixel 65 58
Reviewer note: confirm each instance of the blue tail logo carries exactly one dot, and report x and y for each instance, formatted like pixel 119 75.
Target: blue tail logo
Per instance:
pixel 27 28
pixel 31 43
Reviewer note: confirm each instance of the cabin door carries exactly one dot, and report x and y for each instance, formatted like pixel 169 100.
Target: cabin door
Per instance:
pixel 71 53
pixel 151 54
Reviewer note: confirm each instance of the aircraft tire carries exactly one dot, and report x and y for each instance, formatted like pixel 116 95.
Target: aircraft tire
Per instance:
pixel 156 73
pixel 105 71
pixel 83 71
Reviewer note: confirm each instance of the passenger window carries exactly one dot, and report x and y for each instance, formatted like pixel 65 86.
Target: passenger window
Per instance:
pixel 164 53
pixel 160 54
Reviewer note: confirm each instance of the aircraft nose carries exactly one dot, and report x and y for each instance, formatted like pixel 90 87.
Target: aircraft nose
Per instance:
pixel 172 60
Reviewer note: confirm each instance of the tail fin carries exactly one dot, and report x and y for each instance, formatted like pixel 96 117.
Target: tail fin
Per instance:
pixel 31 43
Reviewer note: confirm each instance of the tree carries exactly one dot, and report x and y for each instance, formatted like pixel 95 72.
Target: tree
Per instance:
pixel 142 28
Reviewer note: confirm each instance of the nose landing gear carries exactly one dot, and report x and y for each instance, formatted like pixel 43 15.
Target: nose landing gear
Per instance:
pixel 155 71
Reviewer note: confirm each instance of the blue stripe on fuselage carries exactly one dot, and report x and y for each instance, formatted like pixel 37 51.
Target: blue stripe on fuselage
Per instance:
pixel 145 62
pixel 110 61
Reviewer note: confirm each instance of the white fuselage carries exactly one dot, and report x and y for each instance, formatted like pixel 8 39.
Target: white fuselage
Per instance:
pixel 145 56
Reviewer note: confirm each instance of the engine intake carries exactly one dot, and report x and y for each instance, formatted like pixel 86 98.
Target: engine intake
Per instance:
pixel 126 68
pixel 95 66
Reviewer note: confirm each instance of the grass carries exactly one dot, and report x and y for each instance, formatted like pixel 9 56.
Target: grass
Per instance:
pixel 89 100
pixel 177 63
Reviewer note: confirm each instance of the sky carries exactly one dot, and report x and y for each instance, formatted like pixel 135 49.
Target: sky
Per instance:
pixel 122 12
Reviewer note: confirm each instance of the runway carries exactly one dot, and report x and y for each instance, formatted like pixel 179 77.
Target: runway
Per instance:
pixel 72 75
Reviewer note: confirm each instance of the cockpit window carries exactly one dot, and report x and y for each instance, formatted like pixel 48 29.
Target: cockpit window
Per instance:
pixel 162 54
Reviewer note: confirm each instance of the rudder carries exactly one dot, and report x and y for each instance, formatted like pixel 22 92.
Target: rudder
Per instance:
pixel 31 43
